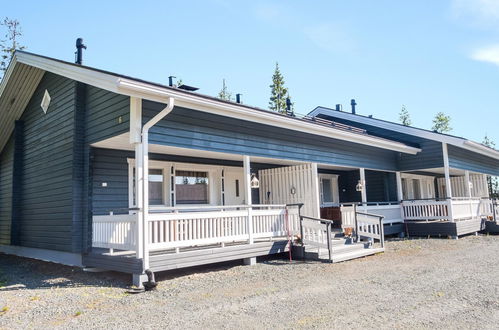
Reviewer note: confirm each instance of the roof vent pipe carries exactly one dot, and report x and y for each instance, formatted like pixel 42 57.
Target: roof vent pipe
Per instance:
pixel 79 51
pixel 170 80
pixel 353 104
pixel 238 98
pixel 339 107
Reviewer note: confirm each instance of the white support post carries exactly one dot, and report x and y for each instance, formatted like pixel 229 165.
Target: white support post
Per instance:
pixel 316 191
pixel 467 182
pixel 247 195
pixel 400 194
pixel 136 140
pixel 364 186
pixel 448 187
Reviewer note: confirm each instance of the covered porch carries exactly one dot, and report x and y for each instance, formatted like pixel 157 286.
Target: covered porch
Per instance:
pixel 447 202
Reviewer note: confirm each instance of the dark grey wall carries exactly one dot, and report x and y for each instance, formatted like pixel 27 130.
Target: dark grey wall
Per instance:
pixel 6 162
pixel 381 186
pixel 107 113
pixel 467 160
pixel 430 157
pixel 46 190
pixel 194 129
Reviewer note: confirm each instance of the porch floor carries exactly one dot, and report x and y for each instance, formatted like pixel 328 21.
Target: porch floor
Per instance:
pixel 161 260
pixel 444 228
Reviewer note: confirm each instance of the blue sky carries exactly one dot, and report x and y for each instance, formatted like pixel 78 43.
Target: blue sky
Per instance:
pixel 429 55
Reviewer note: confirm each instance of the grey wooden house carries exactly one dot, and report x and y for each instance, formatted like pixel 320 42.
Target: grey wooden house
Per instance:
pixel 102 170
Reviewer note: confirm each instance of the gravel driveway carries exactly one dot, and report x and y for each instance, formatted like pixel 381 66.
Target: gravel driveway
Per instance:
pixel 426 283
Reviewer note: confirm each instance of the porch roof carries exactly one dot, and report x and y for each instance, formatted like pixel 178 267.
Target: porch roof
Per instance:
pixel 26 70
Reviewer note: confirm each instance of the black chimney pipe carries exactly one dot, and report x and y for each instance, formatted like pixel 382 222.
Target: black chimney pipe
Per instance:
pixel 289 112
pixel 353 104
pixel 79 51
pixel 170 80
pixel 338 107
pixel 238 98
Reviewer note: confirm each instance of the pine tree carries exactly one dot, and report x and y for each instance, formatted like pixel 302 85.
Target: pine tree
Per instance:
pixel 278 92
pixel 405 117
pixel 492 181
pixel 11 42
pixel 224 93
pixel 441 123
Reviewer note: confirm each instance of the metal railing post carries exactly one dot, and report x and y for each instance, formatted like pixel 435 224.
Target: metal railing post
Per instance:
pixel 382 232
pixel 356 223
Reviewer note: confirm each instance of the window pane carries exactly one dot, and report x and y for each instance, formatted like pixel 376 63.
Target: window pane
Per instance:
pixel 326 191
pixel 191 187
pixel 155 187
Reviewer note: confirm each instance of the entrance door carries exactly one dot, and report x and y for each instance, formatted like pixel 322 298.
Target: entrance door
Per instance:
pixel 234 186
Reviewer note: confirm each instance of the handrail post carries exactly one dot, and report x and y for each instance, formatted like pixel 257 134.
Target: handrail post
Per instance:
pixel 382 232
pixel 356 224
pixel 328 231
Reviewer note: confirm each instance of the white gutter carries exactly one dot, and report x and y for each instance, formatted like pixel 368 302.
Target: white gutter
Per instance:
pixel 481 149
pixel 145 175
pixel 157 93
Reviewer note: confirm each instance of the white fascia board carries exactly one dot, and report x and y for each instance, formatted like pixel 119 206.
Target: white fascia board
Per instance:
pixel 7 75
pixel 157 93
pixel 480 149
pixel 117 84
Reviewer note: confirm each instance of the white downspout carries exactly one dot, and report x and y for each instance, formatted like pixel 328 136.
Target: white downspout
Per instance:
pixel 145 175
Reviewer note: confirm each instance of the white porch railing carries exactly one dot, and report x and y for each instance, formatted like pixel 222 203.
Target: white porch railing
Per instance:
pixel 449 209
pixel 114 231
pixel 183 226
pixel 390 211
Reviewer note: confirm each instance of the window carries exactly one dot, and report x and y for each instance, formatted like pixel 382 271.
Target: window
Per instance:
pixel 191 187
pixel 156 180
pixel 329 192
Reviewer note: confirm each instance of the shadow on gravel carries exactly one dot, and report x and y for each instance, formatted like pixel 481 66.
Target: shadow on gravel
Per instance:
pixel 17 273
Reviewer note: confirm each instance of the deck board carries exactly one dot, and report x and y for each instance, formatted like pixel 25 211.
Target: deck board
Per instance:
pixel 444 228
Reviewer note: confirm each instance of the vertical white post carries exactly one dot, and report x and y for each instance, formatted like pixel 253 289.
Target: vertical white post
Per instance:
pixel 400 194
pixel 247 195
pixel 136 139
pixel 316 193
pixel 448 188
pixel 364 186
pixel 145 194
pixel 467 183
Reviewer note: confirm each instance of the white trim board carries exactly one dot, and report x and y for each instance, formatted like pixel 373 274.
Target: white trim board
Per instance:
pixel 452 140
pixel 136 88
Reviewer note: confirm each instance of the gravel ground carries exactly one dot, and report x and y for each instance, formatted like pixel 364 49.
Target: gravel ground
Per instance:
pixel 422 283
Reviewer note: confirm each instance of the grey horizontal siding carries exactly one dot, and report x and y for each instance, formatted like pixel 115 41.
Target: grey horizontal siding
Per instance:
pixel 431 155
pixel 199 130
pixel 46 200
pixel 471 161
pixel 6 163
pixel 381 186
pixel 104 110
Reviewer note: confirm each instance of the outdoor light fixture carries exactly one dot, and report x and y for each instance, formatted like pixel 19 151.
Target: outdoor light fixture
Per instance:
pixel 255 183
pixel 293 190
pixel 359 186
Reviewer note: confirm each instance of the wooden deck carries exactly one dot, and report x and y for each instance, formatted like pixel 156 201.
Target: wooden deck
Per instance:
pixel 444 228
pixel 163 260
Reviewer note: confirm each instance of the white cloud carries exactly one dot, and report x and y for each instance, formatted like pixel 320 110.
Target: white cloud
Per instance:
pixel 489 54
pixel 478 12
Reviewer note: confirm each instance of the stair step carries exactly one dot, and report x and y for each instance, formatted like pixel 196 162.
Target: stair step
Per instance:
pixel 356 254
pixel 343 248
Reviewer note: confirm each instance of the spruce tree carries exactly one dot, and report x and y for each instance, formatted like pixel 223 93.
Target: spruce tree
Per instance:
pixel 10 44
pixel 441 123
pixel 404 116
pixel 224 93
pixel 278 93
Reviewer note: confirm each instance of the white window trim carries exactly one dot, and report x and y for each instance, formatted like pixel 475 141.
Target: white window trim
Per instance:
pixel 214 175
pixel 334 190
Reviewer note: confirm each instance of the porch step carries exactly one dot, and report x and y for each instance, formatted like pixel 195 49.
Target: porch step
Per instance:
pixel 342 251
